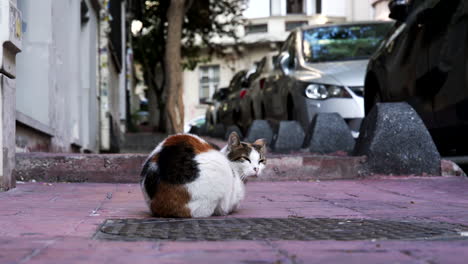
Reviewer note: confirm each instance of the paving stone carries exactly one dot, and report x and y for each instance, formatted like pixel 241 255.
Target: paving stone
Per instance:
pixel 260 129
pixel 395 140
pixel 231 129
pixel 290 137
pixel 329 133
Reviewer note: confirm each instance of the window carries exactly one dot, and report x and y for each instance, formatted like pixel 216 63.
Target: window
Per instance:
pixel 295 6
pixel 318 6
pixel 209 82
pixel 252 29
pixel 294 24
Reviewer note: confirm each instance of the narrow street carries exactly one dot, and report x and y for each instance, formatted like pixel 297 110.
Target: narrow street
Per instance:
pixel 57 223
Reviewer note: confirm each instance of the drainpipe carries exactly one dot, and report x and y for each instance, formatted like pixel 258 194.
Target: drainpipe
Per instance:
pixel 10 40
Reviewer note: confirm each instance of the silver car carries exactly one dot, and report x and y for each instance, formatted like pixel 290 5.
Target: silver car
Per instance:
pixel 321 69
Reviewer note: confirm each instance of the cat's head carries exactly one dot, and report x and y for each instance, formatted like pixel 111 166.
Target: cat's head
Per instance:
pixel 248 159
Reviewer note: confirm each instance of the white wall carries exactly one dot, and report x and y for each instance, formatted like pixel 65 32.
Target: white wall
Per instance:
pixel 33 63
pixel 56 79
pixel 257 8
pixel 353 10
pixel 359 10
pixel 334 7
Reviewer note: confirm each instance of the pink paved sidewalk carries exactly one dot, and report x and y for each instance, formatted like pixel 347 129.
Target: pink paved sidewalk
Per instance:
pixel 54 223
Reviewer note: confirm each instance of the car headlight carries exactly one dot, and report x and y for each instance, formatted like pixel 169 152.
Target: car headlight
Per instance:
pixel 322 91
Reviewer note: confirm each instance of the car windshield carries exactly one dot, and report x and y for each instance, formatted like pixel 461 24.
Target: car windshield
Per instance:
pixel 339 43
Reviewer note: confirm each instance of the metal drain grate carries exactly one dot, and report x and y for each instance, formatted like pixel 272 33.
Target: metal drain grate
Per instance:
pixel 273 229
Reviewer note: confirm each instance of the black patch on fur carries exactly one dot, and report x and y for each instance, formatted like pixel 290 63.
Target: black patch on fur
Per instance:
pixel 151 175
pixel 175 165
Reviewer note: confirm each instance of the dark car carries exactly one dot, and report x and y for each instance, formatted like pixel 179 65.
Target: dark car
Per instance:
pixel 229 109
pixel 211 115
pixel 321 69
pixel 423 61
pixel 251 99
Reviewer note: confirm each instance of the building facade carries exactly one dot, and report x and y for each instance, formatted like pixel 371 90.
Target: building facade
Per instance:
pixel 268 24
pixel 70 83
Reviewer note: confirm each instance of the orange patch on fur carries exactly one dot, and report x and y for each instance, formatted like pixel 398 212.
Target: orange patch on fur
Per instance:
pixel 198 145
pixel 171 201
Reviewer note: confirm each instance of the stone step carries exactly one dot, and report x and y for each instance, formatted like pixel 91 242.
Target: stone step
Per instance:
pixel 125 168
pixel 141 142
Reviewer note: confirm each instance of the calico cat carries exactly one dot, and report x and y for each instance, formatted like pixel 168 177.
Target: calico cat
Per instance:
pixel 187 177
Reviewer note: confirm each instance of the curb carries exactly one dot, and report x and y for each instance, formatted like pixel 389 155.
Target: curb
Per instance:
pixel 125 168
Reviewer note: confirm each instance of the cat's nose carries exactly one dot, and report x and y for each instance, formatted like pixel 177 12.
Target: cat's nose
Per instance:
pixel 256 169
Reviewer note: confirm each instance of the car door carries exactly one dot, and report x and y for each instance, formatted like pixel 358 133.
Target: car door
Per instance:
pixel 282 81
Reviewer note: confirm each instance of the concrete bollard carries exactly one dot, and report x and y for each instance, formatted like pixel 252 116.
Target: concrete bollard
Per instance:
pixel 260 129
pixel 290 137
pixel 396 141
pixel 329 133
pixel 231 129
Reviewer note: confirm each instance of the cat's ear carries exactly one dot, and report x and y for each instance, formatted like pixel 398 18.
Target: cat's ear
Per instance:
pixel 261 143
pixel 234 140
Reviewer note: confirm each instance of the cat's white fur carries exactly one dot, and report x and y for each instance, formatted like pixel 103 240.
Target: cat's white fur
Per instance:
pixel 219 189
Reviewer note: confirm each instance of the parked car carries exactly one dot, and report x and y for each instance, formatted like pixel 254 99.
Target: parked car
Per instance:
pixel 322 69
pixel 423 61
pixel 251 102
pixel 228 112
pixel 218 97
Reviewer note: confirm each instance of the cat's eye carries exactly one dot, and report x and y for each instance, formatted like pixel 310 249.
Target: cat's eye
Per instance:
pixel 262 161
pixel 245 158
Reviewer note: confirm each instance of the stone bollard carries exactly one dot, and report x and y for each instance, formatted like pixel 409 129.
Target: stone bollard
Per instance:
pixel 396 141
pixel 260 129
pixel 231 129
pixel 329 133
pixel 290 137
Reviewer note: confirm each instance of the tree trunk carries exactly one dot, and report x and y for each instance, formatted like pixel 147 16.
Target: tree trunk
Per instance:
pixel 173 68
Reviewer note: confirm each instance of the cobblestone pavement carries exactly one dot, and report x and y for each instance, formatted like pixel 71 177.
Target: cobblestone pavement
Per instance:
pixel 55 223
